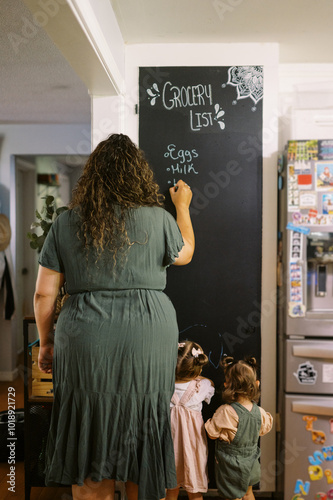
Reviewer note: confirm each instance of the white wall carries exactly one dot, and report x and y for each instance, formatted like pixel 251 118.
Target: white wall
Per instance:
pixel 305 102
pixel 107 117
pixel 71 140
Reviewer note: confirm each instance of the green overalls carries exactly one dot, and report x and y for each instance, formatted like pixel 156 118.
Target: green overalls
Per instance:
pixel 237 463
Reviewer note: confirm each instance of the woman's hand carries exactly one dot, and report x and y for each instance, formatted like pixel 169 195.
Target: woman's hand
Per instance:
pixel 181 195
pixel 45 358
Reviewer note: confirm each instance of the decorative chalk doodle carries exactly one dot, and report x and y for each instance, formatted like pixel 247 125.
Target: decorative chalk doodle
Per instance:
pixel 153 94
pixel 248 80
pixel 219 113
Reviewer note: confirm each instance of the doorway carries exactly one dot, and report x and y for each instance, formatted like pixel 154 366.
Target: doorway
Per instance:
pixel 30 188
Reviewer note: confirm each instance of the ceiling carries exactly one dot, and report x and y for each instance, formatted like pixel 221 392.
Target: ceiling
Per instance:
pixel 37 85
pixel 303 28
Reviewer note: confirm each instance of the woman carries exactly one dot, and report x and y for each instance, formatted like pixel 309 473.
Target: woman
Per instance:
pixel 114 352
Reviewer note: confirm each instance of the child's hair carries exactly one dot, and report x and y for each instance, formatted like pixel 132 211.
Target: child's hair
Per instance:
pixel 241 379
pixel 190 361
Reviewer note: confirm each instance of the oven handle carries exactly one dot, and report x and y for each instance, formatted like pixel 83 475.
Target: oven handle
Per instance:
pixel 314 407
pixel 324 351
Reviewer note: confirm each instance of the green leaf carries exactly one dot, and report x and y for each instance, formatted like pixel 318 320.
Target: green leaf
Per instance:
pixel 49 212
pixel 34 225
pixel 49 200
pixel 38 215
pixel 45 226
pixel 40 242
pixel 34 244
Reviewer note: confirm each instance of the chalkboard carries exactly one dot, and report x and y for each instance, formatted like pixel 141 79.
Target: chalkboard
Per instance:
pixel 204 125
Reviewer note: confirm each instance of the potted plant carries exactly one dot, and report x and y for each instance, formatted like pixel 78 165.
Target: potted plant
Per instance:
pixel 45 219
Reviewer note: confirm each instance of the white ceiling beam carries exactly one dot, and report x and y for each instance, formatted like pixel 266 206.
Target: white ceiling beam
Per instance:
pixel 74 27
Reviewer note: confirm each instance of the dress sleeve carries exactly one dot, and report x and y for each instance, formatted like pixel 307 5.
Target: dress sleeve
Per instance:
pixel 266 422
pixel 50 255
pixel 173 239
pixel 223 425
pixel 208 389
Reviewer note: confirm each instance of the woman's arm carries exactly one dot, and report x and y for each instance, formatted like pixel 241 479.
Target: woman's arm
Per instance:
pixel 47 287
pixel 181 196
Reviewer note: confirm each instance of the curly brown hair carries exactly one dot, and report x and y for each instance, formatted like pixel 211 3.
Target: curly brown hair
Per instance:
pixel 241 379
pixel 116 178
pixel 190 360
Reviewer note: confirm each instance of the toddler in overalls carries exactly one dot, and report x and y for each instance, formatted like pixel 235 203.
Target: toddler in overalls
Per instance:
pixel 236 426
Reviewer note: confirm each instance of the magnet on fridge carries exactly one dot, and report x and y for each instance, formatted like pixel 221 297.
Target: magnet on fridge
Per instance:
pixel 320 496
pixel 315 472
pixel 331 425
pixel 328 452
pixel 312 213
pixel 299 229
pixel 309 419
pixel 301 487
pixel 297 217
pixel 306 374
pixel 328 474
pixel 318 437
pixel 317 458
pixel 296 310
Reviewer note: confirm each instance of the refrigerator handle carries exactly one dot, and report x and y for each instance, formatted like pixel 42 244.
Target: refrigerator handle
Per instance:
pixel 321 352
pixel 314 407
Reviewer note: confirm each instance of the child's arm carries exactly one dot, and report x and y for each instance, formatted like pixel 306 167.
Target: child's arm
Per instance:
pixel 205 378
pixel 223 425
pixel 266 422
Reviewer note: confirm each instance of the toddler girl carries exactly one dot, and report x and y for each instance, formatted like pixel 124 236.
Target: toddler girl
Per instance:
pixel 237 427
pixel 187 426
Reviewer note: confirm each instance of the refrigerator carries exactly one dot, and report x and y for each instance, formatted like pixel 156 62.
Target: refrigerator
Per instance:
pixel 305 330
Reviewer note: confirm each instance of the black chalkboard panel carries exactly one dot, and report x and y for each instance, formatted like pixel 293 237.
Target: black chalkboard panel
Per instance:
pixel 204 125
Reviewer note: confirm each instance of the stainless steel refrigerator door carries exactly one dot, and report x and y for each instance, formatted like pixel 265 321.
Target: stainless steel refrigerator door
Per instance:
pixel 309 366
pixel 308 447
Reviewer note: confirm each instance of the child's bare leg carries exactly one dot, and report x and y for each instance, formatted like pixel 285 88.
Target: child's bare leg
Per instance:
pixel 249 494
pixel 172 494
pixel 194 496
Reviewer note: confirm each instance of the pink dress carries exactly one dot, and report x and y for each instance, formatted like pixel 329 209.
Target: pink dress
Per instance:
pixel 189 435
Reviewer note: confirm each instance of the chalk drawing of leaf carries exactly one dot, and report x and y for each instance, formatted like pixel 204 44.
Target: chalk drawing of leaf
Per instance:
pixel 216 107
pixel 155 87
pixel 149 92
pixel 222 125
pixel 220 113
pixel 152 101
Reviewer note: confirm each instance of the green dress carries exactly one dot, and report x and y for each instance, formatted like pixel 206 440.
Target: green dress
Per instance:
pixel 114 358
pixel 237 463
